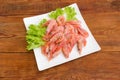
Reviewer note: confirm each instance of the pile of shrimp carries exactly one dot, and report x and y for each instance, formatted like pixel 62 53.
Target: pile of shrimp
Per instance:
pixel 62 35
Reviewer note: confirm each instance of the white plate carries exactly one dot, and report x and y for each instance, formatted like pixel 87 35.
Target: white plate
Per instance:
pixel 42 62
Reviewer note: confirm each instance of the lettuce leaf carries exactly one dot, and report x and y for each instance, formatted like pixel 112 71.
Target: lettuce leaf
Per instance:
pixel 68 11
pixel 35 34
pixel 56 13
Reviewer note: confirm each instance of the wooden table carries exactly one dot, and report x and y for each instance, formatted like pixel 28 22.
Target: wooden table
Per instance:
pixel 103 19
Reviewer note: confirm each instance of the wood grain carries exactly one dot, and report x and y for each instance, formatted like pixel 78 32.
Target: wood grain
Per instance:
pixel 42 6
pixel 103 19
pixel 87 68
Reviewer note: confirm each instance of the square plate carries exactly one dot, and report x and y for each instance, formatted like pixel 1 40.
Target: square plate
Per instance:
pixel 43 63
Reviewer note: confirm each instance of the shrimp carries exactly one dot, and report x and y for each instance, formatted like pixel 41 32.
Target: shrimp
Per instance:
pixel 62 35
pixel 74 22
pixel 79 46
pixel 66 50
pixel 45 49
pixel 51 25
pixel 61 20
pixel 56 36
pixel 57 30
pixel 83 32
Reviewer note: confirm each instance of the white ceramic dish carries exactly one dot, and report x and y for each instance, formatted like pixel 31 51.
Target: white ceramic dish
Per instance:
pixel 42 62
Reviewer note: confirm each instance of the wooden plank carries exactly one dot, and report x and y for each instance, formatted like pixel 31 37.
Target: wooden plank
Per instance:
pixel 99 66
pixel 12 26
pixel 42 6
pixel 104 27
pixel 13 44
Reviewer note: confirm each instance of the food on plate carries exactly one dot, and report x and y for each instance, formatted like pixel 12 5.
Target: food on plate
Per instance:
pixel 58 34
pixel 35 34
pixel 62 35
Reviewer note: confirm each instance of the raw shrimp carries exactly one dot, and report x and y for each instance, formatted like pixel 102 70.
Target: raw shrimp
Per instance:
pixel 62 35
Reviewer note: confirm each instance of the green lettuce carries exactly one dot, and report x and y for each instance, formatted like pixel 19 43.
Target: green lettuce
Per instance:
pixel 56 13
pixel 35 34
pixel 68 11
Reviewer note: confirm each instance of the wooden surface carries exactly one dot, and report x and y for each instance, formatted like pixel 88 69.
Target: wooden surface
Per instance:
pixel 103 19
